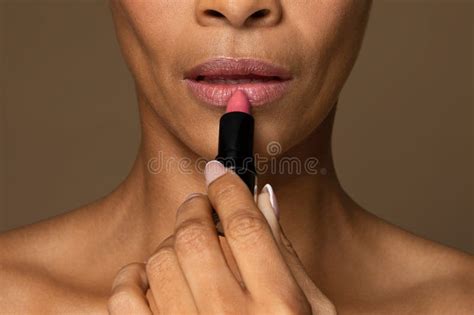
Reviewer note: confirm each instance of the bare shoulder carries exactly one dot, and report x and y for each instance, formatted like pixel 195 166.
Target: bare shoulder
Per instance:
pixel 428 277
pixel 443 291
pixel 30 243
pixel 33 274
pixel 450 284
pixel 27 289
pixel 453 293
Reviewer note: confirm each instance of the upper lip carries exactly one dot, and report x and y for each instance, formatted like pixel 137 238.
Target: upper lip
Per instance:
pixel 225 67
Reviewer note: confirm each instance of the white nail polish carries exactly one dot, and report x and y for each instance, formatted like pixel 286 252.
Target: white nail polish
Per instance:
pixel 273 201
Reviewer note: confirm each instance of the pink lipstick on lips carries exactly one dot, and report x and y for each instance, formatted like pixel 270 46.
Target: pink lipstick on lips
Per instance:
pixel 235 149
pixel 216 80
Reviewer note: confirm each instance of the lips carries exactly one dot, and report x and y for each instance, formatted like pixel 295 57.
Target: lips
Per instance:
pixel 215 81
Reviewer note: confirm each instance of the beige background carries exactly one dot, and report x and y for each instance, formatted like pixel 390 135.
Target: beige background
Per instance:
pixel 403 137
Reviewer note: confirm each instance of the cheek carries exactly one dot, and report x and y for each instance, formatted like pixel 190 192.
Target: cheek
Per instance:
pixel 325 34
pixel 322 26
pixel 159 25
pixel 157 31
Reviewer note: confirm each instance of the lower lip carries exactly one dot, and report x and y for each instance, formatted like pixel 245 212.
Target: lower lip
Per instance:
pixel 258 93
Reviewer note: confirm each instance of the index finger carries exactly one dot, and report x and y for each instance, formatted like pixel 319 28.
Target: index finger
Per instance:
pixel 258 257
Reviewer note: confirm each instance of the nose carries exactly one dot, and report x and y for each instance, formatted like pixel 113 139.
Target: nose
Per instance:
pixel 239 13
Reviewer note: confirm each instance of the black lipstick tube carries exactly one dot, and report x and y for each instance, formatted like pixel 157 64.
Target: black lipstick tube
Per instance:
pixel 235 151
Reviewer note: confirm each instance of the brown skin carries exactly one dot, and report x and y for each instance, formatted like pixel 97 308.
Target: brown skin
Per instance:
pixel 363 264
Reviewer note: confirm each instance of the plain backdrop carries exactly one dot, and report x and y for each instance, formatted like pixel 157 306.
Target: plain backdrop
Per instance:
pixel 403 138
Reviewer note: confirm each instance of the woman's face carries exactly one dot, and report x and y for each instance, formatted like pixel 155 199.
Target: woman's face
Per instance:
pixel 316 41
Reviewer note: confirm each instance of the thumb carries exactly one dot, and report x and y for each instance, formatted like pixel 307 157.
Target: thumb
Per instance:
pixel 268 205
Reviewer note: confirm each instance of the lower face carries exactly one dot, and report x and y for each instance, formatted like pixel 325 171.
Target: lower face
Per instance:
pixel 317 42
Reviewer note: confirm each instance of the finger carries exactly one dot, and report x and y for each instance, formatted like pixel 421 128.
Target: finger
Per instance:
pixel 269 211
pixel 249 236
pixel 320 303
pixel 170 290
pixel 268 204
pixel 202 260
pixel 128 291
pixel 151 302
pixel 231 261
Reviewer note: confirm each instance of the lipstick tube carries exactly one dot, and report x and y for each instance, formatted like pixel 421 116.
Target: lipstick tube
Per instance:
pixel 235 151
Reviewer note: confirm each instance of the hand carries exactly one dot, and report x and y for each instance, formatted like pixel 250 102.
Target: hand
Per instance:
pixel 253 270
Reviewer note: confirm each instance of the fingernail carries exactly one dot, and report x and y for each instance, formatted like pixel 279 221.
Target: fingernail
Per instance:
pixel 213 170
pixel 273 201
pixel 191 195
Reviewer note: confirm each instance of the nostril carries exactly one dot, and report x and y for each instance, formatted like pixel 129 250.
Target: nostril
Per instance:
pixel 214 13
pixel 260 14
pixel 249 14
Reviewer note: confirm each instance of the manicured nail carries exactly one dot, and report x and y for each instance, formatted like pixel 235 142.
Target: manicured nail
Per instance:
pixel 273 201
pixel 213 170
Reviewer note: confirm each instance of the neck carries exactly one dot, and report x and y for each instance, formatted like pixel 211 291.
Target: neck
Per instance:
pixel 310 197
